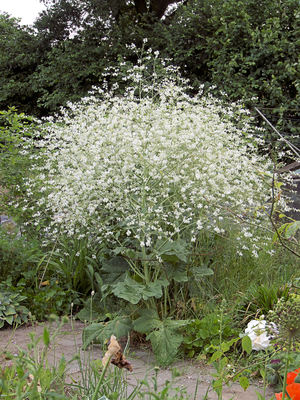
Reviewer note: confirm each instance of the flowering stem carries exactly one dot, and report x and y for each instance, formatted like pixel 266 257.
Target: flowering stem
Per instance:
pixel 286 367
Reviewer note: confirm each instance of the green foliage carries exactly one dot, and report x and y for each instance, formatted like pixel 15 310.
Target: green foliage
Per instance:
pixel 286 317
pixel 12 311
pixel 246 344
pixel 50 285
pixel 276 366
pixel 238 278
pixel 20 54
pixel 260 299
pixel 94 310
pixel 133 291
pixel 50 299
pixel 16 134
pixel 203 335
pixel 165 342
pixel 246 49
pixel 163 334
pixel 225 372
pixel 73 262
pixel 17 255
pixel 102 331
pixel 69 71
pixel 288 230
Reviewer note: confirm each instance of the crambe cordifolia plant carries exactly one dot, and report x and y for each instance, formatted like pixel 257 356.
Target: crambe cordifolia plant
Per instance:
pixel 146 174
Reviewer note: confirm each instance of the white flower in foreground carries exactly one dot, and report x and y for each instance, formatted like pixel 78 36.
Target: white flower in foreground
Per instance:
pixel 257 332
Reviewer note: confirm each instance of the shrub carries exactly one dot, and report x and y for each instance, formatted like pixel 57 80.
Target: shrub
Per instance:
pixel 17 255
pixel 12 311
pixel 204 335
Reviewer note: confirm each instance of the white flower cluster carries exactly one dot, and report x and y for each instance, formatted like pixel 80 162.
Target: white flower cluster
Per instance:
pixel 259 335
pixel 149 168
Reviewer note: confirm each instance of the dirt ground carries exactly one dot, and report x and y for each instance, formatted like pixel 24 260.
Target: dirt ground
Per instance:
pixel 68 343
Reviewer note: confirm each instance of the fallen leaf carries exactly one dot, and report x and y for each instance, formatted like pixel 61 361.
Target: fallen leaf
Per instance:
pixel 115 355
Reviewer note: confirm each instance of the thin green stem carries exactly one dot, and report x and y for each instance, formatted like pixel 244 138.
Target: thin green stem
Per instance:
pixel 97 388
pixel 286 367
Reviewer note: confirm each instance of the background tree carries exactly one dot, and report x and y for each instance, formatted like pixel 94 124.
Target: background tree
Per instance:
pixel 20 53
pixel 242 48
pixel 247 49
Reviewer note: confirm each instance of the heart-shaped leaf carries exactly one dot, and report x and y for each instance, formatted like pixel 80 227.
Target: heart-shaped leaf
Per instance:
pixel 99 332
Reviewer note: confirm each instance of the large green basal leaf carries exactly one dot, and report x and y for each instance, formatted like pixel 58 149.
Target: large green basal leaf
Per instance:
pixel 154 289
pixel 165 339
pixel 99 332
pixel 129 290
pixel 115 265
pixel 147 322
pixel 114 270
pixel 199 272
pixel 177 272
pixel 165 343
pixel 172 252
pixel 133 291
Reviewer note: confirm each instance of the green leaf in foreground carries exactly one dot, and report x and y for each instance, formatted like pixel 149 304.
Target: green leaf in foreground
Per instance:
pixel 99 332
pixel 129 290
pixel 165 339
pixel 200 272
pixel 247 344
pixel 178 272
pixel 46 337
pixel 217 354
pixel 172 251
pixel 165 343
pixel 244 382
pixel 147 322
pixel 291 229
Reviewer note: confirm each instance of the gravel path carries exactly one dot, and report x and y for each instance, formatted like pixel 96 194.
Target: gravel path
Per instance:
pixel 68 343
